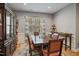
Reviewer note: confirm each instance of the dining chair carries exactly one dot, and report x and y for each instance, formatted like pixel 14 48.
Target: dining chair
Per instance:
pixel 55 35
pixel 32 50
pixel 54 48
pixel 36 33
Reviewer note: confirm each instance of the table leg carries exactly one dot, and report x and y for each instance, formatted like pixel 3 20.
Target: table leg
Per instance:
pixel 35 38
pixel 41 50
pixel 65 43
pixel 70 42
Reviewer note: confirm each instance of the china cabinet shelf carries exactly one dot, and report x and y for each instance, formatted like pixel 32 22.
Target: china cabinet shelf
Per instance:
pixel 7 31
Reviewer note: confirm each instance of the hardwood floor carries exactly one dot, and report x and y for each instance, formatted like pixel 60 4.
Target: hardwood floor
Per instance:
pixel 69 53
pixel 22 50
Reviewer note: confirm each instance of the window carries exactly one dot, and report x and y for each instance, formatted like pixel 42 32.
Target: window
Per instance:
pixel 35 24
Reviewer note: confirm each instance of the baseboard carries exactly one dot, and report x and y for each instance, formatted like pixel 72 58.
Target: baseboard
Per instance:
pixel 75 50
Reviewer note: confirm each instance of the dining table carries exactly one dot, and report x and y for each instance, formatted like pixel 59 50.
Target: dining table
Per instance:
pixel 37 40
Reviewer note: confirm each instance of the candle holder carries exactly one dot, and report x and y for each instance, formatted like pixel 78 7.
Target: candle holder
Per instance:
pixel 53 28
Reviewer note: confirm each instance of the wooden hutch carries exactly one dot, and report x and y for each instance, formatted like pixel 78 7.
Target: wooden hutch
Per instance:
pixel 7 31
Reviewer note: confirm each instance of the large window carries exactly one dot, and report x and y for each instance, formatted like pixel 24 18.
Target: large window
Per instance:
pixel 35 24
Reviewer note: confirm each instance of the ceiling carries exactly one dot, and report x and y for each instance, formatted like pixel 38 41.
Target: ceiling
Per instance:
pixel 38 7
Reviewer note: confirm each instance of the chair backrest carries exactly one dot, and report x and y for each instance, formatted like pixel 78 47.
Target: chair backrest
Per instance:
pixel 55 46
pixel 46 38
pixel 36 33
pixel 31 45
pixel 55 35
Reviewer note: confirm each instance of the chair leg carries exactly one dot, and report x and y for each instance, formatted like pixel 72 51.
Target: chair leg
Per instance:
pixel 60 54
pixel 30 52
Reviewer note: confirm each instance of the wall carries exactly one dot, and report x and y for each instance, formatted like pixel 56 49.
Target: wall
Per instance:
pixel 21 19
pixel 65 20
pixel 77 26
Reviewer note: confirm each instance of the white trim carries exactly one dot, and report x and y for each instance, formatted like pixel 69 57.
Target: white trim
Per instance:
pixel 75 50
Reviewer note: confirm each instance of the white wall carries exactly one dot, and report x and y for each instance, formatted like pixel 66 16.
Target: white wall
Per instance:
pixel 65 20
pixel 21 19
pixel 77 26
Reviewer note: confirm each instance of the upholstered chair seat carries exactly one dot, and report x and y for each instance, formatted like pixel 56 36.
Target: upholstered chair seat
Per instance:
pixel 45 53
pixel 54 48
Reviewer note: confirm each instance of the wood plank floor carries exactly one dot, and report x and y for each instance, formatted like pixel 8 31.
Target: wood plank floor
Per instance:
pixel 22 50
pixel 68 52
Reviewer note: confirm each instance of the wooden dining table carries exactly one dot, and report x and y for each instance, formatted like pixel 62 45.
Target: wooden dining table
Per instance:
pixel 41 41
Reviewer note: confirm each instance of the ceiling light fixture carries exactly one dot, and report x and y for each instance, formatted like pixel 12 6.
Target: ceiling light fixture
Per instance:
pixel 25 3
pixel 49 7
